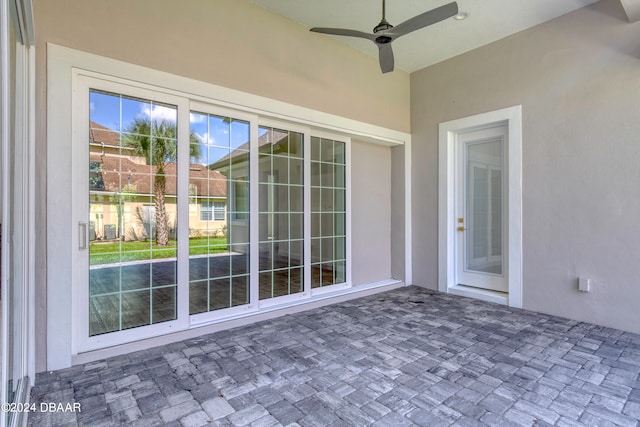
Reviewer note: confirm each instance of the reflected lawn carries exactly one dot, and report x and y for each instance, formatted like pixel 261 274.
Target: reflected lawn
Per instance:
pixel 113 252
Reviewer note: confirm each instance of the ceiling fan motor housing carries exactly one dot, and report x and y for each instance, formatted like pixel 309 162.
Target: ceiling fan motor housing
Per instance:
pixel 382 26
pixel 383 39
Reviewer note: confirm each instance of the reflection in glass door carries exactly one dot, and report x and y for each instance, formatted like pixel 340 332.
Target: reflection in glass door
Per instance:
pixel 484 207
pixel 328 213
pixel 132 229
pixel 281 212
pixel 218 213
pixel 219 207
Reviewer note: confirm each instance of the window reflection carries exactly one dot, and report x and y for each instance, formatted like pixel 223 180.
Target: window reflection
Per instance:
pixel 218 213
pixel 132 212
pixel 484 207
pixel 328 213
pixel 280 212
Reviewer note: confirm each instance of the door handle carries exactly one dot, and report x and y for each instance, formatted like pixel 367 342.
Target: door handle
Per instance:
pixel 82 236
pixel 461 228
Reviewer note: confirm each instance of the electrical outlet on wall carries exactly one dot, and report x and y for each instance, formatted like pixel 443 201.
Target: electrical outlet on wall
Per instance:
pixel 584 284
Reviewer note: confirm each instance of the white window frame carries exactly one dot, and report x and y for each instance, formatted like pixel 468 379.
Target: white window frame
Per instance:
pixel 64 65
pixel 215 210
pixel 205 207
pixel 210 207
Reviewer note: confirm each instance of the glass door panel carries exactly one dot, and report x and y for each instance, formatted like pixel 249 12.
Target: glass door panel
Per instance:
pixel 281 207
pixel 483 241
pixel 218 213
pixel 132 212
pixel 328 213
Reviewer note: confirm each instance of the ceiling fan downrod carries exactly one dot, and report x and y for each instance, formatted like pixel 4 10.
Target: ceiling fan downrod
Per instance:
pixel 383 25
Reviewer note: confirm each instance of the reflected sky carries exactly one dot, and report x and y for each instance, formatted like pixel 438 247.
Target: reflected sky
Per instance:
pixel 218 136
pixel 118 112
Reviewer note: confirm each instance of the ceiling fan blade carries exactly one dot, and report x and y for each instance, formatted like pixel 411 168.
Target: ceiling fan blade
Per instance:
pixel 423 20
pixel 343 32
pixel 386 57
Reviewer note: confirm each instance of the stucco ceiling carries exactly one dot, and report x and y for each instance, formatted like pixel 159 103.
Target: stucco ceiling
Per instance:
pixel 487 21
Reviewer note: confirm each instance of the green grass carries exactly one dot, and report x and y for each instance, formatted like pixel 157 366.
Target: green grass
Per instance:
pixel 112 252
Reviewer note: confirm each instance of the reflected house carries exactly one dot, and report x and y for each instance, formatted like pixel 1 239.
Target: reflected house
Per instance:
pixel 121 182
pixel 281 203
pixel 235 167
pixel 273 166
pixel 281 207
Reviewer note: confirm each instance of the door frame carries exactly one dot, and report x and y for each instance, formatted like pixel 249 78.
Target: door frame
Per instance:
pixel 448 136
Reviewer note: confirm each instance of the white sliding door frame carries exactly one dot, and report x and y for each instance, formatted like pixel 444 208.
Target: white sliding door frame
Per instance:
pixel 252 305
pixel 81 341
pixel 17 194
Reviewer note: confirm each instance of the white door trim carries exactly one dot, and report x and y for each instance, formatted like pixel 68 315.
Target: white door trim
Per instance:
pixel 448 131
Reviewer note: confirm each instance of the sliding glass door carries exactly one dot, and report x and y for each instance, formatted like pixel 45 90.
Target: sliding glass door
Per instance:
pixel 17 211
pixel 328 212
pixel 219 221
pixel 281 206
pixel 194 213
pixel 132 228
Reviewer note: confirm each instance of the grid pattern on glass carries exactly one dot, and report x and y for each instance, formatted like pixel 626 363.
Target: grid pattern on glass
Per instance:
pixel 281 212
pixel 218 213
pixel 328 213
pixel 132 212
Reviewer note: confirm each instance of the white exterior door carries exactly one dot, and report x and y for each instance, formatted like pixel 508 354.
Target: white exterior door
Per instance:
pixel 481 231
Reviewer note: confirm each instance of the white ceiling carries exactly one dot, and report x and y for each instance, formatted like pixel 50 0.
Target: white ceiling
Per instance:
pixel 488 21
pixel 632 8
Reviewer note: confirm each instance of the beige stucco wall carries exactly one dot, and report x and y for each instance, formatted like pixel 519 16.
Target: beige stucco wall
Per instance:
pixel 371 212
pixel 233 44
pixel 578 81
pixel 397 200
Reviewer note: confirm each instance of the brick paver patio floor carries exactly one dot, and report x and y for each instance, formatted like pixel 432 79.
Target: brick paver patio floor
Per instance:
pixel 405 357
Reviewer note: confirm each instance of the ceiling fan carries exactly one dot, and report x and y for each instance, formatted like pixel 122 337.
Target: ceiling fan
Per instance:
pixel 384 33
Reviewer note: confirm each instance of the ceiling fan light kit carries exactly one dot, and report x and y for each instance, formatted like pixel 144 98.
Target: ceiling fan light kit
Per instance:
pixel 384 33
